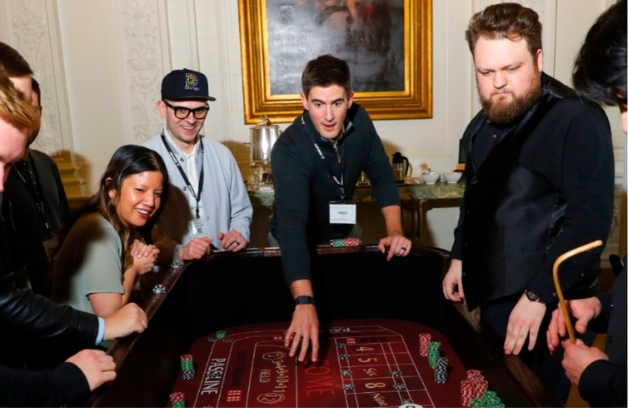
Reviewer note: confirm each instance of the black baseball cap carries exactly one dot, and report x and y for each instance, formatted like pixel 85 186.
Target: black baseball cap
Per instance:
pixel 185 84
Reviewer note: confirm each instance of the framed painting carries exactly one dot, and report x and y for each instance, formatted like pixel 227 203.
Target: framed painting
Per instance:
pixel 387 44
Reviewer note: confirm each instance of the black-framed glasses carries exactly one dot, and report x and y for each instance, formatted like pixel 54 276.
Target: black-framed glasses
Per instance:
pixel 181 112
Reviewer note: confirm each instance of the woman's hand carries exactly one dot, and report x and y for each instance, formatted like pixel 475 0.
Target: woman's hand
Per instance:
pixel 144 256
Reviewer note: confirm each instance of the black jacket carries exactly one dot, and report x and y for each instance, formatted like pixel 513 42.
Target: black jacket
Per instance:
pixel 30 224
pixel 544 189
pixel 24 315
pixel 603 383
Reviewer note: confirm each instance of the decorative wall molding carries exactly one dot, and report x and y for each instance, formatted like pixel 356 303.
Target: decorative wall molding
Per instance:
pixel 33 30
pixel 145 53
pixel 30 32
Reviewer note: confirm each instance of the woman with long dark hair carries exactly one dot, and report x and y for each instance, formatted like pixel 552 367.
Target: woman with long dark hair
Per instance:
pixel 112 239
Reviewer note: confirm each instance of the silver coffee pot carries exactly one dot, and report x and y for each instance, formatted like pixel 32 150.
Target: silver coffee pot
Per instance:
pixel 263 137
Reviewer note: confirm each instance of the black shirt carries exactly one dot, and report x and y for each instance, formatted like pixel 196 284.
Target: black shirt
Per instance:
pixel 304 186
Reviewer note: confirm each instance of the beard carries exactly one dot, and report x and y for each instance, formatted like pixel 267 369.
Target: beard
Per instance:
pixel 503 113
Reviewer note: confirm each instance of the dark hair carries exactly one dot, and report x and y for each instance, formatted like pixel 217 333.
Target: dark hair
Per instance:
pixel 506 20
pixel 36 90
pixel 126 161
pixel 600 70
pixel 13 62
pixel 326 70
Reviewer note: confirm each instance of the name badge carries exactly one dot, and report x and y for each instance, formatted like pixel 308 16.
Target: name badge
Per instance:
pixel 197 228
pixel 342 213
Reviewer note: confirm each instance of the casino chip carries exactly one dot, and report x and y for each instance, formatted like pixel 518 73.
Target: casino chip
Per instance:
pixel 473 390
pixel 159 289
pixel 177 265
pixel 177 399
pixel 440 370
pixel 347 242
pixel 187 367
pixel 221 334
pixel 424 343
pixel 433 353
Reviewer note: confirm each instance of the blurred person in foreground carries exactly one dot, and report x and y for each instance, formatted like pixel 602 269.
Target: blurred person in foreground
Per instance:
pixel 34 317
pixel 599 75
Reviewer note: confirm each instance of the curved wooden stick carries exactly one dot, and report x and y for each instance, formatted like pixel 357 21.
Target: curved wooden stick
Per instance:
pixel 559 292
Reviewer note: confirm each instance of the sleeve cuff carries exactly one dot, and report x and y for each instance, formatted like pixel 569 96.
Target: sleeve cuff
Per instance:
pixel 603 383
pixel 101 330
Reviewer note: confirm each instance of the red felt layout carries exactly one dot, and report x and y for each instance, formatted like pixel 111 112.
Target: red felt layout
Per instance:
pixel 367 363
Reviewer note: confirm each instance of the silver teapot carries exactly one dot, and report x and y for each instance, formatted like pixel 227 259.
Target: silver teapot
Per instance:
pixel 263 137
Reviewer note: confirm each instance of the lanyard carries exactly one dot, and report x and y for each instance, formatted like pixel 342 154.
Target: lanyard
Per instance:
pixel 33 188
pixel 185 177
pixel 340 183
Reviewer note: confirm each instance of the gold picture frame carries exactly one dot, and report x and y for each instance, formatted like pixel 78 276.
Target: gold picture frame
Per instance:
pixel 410 93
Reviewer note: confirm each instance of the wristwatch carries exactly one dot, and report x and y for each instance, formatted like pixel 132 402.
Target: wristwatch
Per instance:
pixel 304 300
pixel 533 297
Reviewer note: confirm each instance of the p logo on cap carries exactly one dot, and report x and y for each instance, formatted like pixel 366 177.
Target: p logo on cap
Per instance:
pixel 191 82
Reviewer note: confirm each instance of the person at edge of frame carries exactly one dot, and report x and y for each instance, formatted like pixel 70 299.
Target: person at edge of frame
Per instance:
pixel 599 75
pixel 24 314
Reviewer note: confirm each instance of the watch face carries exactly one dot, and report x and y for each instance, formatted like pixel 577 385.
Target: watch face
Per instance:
pixel 532 295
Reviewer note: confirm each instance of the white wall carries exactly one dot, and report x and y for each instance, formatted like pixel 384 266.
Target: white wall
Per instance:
pixel 104 61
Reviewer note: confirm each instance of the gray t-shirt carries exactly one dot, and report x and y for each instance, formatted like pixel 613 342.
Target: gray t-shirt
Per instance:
pixel 89 261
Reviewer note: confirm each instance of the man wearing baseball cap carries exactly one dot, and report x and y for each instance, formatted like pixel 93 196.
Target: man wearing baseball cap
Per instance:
pixel 208 206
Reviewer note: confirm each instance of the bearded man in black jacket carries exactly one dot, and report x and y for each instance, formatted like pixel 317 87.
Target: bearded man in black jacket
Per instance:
pixel 539 182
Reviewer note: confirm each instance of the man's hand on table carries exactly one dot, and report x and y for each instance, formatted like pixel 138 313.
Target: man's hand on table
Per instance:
pixel 195 249
pixel 97 367
pixel 303 331
pixel 232 241
pixel 397 245
pixel 129 319
pixel 452 283
pixel 525 319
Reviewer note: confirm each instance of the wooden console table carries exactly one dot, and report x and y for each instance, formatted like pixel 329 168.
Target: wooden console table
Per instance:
pixel 415 200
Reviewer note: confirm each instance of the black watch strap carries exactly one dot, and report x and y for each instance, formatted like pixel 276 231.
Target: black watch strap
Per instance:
pixel 304 300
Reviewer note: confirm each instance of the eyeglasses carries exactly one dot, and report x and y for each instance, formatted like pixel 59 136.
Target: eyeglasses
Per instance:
pixel 181 112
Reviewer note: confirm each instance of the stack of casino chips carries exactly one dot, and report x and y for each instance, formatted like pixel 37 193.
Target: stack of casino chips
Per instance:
pixel 433 353
pixel 347 242
pixel 440 370
pixel 187 367
pixel 489 399
pixel 424 343
pixel 473 387
pixel 177 399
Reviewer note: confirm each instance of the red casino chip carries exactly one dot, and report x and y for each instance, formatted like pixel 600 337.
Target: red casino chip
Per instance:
pixel 177 397
pixel 351 242
pixel 424 343
pixel 466 393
